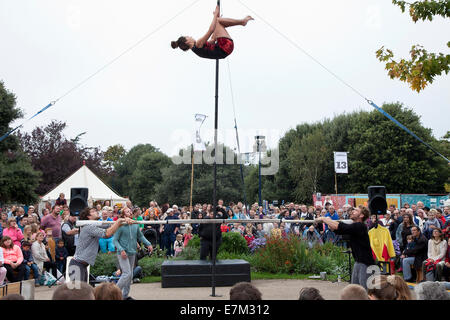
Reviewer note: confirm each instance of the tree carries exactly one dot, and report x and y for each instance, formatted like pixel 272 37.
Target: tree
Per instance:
pixel 379 153
pixel 176 182
pixel 17 177
pixel 147 176
pixel 307 163
pixel 124 167
pixel 57 157
pixel 113 155
pixel 423 66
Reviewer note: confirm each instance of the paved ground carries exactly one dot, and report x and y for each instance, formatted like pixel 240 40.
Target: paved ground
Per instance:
pixel 270 289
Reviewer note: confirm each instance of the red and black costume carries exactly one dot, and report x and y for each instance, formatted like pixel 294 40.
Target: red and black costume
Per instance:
pixel 221 49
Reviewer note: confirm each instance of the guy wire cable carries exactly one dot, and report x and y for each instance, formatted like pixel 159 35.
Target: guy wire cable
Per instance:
pixel 52 103
pixel 237 135
pixel 370 102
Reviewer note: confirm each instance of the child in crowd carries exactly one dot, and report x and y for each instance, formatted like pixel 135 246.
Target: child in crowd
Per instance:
pixel 410 242
pixel 276 231
pixel 178 245
pixel 29 264
pixel 51 243
pixel 224 228
pixel 249 237
pixel 260 233
pixel 61 254
pixel 27 234
pixel 187 236
pixel 50 265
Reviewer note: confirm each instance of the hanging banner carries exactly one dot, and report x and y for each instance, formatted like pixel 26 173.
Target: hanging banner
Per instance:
pixel 199 145
pixel 340 162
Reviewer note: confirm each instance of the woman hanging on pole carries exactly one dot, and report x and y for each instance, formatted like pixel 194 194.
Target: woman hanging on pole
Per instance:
pixel 216 43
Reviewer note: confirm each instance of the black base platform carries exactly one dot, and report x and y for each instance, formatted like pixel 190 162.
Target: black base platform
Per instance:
pixel 198 273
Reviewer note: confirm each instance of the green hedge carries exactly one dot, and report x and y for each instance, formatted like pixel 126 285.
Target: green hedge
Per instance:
pixel 289 256
pixel 292 255
pixel 232 242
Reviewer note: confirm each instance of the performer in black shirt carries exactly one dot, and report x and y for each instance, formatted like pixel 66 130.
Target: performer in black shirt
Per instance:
pixel 359 242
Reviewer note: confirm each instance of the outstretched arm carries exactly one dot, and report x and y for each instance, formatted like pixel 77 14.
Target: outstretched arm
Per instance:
pixel 200 42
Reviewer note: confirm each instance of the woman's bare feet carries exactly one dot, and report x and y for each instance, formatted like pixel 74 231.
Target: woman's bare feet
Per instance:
pixel 247 19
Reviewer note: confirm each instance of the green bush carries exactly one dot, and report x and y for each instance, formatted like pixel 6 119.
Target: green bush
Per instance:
pixel 291 255
pixel 189 253
pixel 194 242
pixel 151 266
pixel 233 242
pixel 105 265
pixel 232 256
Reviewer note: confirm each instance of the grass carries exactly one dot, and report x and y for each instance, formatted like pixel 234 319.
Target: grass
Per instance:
pixel 151 279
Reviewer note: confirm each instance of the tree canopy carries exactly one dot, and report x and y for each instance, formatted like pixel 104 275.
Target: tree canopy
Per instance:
pixel 57 157
pixel 424 66
pixel 379 153
pixel 176 181
pixel 18 180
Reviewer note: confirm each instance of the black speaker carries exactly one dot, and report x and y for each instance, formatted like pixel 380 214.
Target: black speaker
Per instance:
pixel 377 200
pixel 78 200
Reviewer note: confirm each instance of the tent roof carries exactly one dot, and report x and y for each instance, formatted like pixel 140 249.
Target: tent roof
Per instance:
pixel 84 178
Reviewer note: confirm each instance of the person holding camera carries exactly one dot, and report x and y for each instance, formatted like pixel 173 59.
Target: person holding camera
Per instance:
pixel 70 233
pixel 359 242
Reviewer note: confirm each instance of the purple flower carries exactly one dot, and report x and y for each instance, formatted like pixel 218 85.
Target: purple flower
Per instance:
pixel 257 243
pixel 396 247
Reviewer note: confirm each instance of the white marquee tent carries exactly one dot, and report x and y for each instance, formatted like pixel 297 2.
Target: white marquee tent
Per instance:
pixel 83 178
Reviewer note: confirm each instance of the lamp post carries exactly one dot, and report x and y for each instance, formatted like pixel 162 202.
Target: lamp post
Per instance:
pixel 260 146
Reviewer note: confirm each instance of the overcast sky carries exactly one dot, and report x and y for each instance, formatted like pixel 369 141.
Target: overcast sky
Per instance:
pixel 150 94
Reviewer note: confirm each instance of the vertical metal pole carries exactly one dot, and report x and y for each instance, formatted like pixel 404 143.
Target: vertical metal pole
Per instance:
pixel 216 125
pixel 259 173
pixel 192 178
pixel 335 183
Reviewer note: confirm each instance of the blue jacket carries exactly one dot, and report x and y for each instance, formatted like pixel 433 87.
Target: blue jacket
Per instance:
pixel 61 252
pixel 127 237
pixel 335 216
pixel 27 256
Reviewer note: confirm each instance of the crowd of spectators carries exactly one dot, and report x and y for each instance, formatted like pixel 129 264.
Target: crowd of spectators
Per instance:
pixel 42 241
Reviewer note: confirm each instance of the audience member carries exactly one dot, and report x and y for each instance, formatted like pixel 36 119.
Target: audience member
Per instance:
pixel 106 244
pixel 13 296
pixel 310 293
pixel 12 259
pixel 443 270
pixel 2 268
pixel 74 290
pixel 61 255
pixel 13 232
pixel 39 253
pixel 107 291
pixel 61 201
pixel 431 224
pixel 354 292
pixel 431 291
pixel 53 221
pixel 404 229
pixel 29 263
pixel 178 245
pixel 391 287
pixel 70 233
pixel 437 248
pixel 415 256
pixel 245 291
